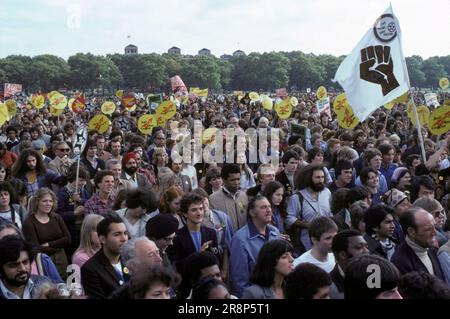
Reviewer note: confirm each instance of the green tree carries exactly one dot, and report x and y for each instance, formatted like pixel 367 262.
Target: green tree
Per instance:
pixel 305 71
pixel 433 71
pixel 273 71
pixel 48 72
pixel 244 75
pixel 202 71
pixel 17 69
pixel 416 75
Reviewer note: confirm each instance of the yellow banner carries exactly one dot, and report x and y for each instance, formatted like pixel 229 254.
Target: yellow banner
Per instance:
pixel 100 123
pixel 199 92
pixel 439 122
pixel 167 109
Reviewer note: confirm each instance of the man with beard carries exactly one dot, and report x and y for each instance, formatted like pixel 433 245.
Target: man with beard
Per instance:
pixel 129 172
pixel 16 281
pixel 184 181
pixel 105 272
pixel 30 169
pixel 310 202
pixel 346 245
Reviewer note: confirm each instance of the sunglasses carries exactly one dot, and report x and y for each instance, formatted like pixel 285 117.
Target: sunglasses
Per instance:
pixel 64 149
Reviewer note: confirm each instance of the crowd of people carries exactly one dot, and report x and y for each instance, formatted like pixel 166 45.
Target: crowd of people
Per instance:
pixel 135 221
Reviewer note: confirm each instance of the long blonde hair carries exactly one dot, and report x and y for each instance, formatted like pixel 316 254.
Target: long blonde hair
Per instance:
pixel 89 224
pixel 34 200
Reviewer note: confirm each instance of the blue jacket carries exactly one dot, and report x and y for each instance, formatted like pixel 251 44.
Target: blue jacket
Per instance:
pixel 49 269
pixel 245 247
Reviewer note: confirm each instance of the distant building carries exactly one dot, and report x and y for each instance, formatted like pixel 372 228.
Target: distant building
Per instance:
pixel 131 49
pixel 174 50
pixel 226 57
pixel 204 52
pixel 238 53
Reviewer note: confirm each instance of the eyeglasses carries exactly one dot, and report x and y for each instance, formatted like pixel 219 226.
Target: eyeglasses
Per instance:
pixel 64 149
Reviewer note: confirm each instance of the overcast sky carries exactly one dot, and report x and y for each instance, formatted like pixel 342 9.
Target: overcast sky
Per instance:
pixel 65 27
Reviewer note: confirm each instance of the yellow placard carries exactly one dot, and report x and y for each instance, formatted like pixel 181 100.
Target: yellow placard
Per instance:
pixel 321 93
pixel 340 103
pixel 168 109
pixel 12 107
pixel 199 92
pixel 423 112
pixel 4 115
pixel 294 101
pixel 346 118
pixel 284 109
pixel 209 135
pixel 439 122
pixel 267 103
pixel 402 98
pixel 50 94
pixel 389 105
pixel 146 123
pixel 55 112
pixel 253 96
pixel 119 93
pixel 58 101
pixel 443 83
pixel 128 101
pixel 108 107
pixel 38 101
pixel 160 120
pixel 100 123
pixel 70 102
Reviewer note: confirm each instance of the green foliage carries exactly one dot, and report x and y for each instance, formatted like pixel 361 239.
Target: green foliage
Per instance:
pixel 151 72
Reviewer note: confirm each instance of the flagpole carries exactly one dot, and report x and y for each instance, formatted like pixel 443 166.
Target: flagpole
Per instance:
pixel 78 172
pixel 419 130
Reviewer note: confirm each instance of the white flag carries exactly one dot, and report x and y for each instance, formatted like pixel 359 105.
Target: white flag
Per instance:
pixel 375 72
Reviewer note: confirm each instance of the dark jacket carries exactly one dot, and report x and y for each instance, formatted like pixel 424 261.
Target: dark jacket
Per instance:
pixel 407 261
pixel 283 179
pixel 183 245
pixel 375 247
pixel 90 169
pixel 339 219
pixel 99 278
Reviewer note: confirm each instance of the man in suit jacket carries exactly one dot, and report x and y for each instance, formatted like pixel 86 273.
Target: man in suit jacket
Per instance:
pixel 286 176
pixel 418 251
pixel 61 162
pixel 104 272
pixel 183 181
pixel 193 237
pixel 129 172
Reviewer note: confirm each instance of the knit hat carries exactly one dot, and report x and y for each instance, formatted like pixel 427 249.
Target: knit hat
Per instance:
pixel 393 197
pixel 398 173
pixel 127 157
pixel 160 226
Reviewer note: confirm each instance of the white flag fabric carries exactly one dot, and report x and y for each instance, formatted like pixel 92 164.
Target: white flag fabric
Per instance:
pixel 375 72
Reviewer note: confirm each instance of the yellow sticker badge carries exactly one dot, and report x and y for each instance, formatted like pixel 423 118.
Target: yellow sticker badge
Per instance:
pixel 439 122
pixel 346 119
pixel 321 93
pixel 108 107
pixel 38 101
pixel 146 123
pixel 284 109
pixel 100 123
pixel 168 109
pixel 340 103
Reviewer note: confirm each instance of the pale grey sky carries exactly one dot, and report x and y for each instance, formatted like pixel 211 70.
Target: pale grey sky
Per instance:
pixel 65 27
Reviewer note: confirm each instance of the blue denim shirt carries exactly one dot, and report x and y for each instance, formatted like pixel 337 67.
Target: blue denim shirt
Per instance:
pixel 245 247
pixel 388 171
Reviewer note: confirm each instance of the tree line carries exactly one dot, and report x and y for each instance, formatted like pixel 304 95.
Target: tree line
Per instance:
pixel 151 72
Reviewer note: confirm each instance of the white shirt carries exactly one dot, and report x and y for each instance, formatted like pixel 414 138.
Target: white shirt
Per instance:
pixel 131 179
pixel 307 257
